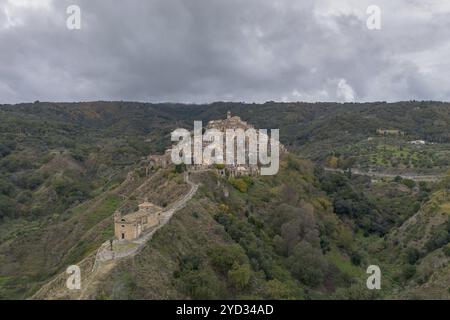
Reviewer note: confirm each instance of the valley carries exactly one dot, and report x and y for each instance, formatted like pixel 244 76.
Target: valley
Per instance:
pixel 344 198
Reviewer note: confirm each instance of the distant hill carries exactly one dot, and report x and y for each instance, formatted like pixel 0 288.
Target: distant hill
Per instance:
pixel 304 233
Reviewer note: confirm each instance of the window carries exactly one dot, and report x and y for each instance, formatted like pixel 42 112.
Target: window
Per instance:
pixel 123 235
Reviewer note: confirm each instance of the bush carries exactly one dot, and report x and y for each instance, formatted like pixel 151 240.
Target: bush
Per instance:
pixel 7 207
pixel 201 285
pixel 6 188
pixel 409 183
pixel 408 272
pixel 277 290
pixel 180 168
pixel 446 250
pixel 355 258
pixel 223 257
pixel 239 184
pixel 438 239
pixel 13 164
pixel 31 181
pixel 24 197
pixel 307 264
pixel 412 255
pixel 240 275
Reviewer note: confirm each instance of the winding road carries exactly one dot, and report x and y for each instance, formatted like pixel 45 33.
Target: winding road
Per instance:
pixel 415 177
pixel 104 253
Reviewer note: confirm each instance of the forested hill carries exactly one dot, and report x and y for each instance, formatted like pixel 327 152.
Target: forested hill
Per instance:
pixel 62 173
pixel 299 122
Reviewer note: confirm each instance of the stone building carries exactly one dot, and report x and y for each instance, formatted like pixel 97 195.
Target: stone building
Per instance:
pixel 132 225
pixel 154 162
pixel 238 170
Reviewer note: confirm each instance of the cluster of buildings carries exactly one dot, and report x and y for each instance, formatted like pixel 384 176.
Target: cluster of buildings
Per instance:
pixel 229 170
pixel 132 225
pixel 154 162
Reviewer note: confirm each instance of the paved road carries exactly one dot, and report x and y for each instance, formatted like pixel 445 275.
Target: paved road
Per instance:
pixel 415 177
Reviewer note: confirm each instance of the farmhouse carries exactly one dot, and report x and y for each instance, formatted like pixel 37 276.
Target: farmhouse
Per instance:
pixel 131 226
pixel 418 142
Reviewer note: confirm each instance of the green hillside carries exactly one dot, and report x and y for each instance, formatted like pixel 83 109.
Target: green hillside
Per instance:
pixel 305 233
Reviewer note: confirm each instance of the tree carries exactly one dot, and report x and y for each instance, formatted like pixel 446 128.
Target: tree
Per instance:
pixel 277 290
pixel 201 284
pixel 412 255
pixel 6 188
pixel 180 168
pixel 239 184
pixel 301 228
pixel 333 162
pixel 409 183
pixel 240 275
pixel 7 207
pixel 224 257
pixel 307 264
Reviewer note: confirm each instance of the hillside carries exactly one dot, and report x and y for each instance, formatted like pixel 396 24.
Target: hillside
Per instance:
pixel 304 233
pixel 233 244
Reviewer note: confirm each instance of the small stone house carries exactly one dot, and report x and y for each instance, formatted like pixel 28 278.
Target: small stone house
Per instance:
pixel 132 225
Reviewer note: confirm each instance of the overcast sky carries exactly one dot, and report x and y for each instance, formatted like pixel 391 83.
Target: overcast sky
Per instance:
pixel 233 50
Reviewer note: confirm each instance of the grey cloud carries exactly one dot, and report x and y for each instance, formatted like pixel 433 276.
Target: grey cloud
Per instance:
pixel 208 50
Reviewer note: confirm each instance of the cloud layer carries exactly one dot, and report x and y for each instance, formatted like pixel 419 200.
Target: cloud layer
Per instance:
pixel 209 50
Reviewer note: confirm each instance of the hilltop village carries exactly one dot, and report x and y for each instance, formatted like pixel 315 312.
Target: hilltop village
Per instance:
pixel 154 162
pixel 131 226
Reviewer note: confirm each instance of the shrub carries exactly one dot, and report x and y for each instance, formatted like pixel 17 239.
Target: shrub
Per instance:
pixel 355 258
pixel 277 290
pixel 223 257
pixel 239 184
pixel 446 250
pixel 412 255
pixel 200 285
pixel 180 168
pixel 7 207
pixel 408 272
pixel 409 183
pixel 6 188
pixel 240 275
pixel 307 264
pixel 438 239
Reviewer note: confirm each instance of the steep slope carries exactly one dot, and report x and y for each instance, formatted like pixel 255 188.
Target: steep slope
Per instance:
pixel 30 259
pixel 277 239
pixel 423 243
pixel 64 169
